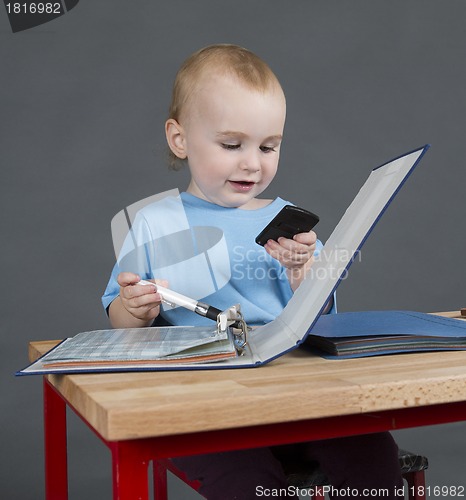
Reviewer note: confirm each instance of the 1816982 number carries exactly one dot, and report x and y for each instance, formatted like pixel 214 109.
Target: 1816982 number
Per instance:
pixel 438 491
pixel 34 8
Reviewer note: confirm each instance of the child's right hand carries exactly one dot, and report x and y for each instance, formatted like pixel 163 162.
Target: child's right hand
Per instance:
pixel 141 301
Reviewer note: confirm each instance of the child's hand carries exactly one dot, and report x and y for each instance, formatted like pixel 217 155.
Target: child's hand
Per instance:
pixel 295 255
pixel 141 301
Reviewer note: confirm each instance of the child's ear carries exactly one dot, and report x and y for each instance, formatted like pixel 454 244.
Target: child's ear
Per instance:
pixel 175 138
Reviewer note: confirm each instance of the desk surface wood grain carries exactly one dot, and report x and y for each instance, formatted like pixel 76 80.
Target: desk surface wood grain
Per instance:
pixel 295 387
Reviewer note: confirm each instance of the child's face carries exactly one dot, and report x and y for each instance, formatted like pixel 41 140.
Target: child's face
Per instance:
pixel 232 136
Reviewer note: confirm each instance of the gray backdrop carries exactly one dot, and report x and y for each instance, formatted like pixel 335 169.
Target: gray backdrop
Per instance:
pixel 83 103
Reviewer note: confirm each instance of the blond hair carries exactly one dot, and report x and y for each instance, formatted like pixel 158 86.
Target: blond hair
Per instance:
pixel 220 59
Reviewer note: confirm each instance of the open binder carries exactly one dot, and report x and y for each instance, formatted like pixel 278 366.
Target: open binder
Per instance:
pixel 292 326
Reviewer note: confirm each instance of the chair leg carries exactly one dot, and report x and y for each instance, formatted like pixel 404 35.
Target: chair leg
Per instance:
pixel 416 485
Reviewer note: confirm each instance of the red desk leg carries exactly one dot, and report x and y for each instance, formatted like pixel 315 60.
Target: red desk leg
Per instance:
pixel 130 471
pixel 56 468
pixel 160 480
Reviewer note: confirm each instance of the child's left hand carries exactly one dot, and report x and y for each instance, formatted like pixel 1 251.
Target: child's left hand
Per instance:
pixel 295 255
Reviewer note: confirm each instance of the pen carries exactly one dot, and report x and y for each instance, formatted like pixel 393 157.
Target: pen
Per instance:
pixel 174 298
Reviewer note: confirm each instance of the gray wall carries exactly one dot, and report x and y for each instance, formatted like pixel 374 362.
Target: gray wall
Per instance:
pixel 83 102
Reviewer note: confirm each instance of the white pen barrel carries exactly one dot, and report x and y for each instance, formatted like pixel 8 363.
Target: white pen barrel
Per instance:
pixel 172 297
pixel 176 298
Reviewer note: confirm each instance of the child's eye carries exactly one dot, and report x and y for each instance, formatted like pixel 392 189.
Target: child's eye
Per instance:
pixel 231 146
pixel 267 149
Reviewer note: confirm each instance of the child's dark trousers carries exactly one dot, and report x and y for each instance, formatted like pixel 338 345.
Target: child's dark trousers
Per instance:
pixel 358 467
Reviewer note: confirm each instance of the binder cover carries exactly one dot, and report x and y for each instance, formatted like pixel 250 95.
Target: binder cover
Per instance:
pixel 290 328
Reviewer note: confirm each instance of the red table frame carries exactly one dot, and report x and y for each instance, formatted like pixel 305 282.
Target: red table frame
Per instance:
pixel 130 458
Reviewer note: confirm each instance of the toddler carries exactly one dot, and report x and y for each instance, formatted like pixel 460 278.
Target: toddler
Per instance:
pixel 226 122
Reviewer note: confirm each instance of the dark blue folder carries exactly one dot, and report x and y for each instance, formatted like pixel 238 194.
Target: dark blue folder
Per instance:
pixel 371 333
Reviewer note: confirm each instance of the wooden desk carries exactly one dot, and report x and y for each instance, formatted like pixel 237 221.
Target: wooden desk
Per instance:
pixel 298 397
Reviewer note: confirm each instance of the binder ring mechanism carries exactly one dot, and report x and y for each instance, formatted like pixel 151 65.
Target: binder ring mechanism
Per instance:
pixel 232 318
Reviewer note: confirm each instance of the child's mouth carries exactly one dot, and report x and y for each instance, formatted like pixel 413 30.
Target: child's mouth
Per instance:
pixel 242 186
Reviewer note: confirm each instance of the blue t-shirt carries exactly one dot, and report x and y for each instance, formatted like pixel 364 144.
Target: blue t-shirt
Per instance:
pixel 208 253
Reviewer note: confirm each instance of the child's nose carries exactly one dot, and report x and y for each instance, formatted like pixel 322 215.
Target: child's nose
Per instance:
pixel 251 161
